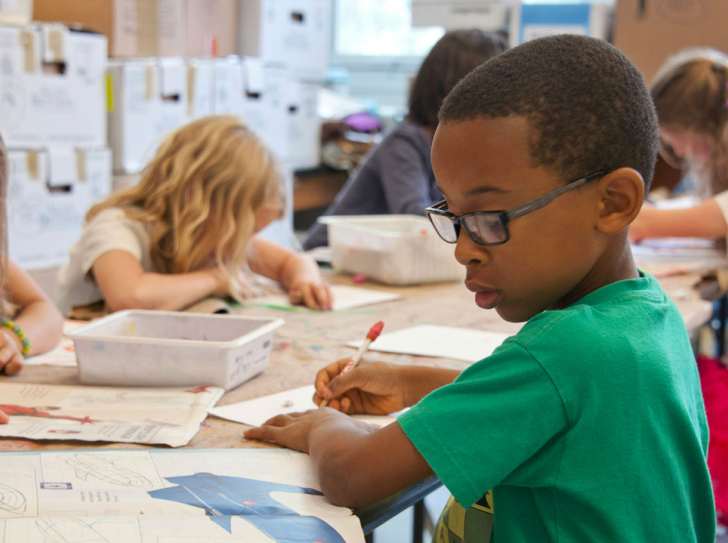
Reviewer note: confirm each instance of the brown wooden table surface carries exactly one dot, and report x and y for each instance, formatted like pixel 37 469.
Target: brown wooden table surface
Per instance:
pixel 309 340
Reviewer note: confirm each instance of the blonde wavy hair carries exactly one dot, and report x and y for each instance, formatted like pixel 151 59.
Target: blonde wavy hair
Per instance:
pixel 199 194
pixel 690 92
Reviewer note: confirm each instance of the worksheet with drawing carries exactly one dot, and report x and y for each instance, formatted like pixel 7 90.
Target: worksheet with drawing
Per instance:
pixel 191 496
pixel 154 416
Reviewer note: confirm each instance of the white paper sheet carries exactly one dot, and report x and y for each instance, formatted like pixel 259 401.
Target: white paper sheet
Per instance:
pixel 344 298
pixel 63 355
pixel 438 341
pixel 157 496
pixel 256 412
pixel 155 416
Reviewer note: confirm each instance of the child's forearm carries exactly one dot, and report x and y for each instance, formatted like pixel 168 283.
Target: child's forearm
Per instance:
pixel 335 451
pixel 358 464
pixel 418 381
pixel 169 292
pixel 42 323
pixel 702 221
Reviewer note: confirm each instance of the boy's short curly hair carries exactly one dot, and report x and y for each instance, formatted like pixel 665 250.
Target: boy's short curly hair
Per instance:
pixel 587 104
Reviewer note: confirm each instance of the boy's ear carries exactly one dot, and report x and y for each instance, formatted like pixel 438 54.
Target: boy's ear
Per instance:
pixel 621 194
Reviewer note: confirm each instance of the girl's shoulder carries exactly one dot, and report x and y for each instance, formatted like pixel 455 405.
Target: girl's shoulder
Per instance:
pixel 115 217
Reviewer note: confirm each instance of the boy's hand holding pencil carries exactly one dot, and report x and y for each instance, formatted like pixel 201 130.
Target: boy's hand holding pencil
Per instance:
pixel 372 389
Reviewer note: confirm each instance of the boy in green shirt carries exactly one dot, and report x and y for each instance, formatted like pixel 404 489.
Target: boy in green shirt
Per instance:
pixel 589 423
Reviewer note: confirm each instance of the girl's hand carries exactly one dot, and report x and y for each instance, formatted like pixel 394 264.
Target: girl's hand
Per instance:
pixel 371 388
pixel 292 430
pixel 11 353
pixel 312 294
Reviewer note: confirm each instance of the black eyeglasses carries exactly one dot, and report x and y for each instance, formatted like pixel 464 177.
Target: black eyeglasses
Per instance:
pixel 491 227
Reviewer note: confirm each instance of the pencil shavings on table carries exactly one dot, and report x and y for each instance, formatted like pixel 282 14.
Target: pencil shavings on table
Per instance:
pixel 153 416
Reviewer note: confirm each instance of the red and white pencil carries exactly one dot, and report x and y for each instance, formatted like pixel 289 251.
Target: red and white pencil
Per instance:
pixel 373 334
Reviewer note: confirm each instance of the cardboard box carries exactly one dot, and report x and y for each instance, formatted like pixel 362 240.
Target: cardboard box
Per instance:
pixel 304 125
pixel 650 31
pixel 200 88
pixel 587 18
pixel 53 86
pixel 257 94
pixel 16 12
pixel 147 100
pixel 292 33
pixel 212 28
pixel 488 15
pixel 140 28
pixel 49 192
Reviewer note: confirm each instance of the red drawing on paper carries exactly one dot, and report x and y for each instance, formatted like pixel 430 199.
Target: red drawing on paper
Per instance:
pixel 198 390
pixel 20 411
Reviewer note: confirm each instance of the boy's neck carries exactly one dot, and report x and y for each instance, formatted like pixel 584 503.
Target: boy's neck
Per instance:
pixel 615 264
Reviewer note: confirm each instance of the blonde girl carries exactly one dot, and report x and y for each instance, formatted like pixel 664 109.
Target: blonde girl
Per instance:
pixel 690 93
pixel 187 230
pixel 31 324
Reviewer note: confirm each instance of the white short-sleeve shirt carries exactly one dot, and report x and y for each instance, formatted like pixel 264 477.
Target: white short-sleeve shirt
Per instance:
pixel 110 230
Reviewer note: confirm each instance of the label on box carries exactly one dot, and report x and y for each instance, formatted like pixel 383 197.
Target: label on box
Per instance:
pixel 56 486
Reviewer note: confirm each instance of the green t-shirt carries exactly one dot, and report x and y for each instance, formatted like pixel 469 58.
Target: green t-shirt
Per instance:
pixel 588 425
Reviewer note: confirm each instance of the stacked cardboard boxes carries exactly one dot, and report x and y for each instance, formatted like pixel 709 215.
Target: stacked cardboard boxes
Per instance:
pixel 53 122
pixel 149 28
pixel 651 31
pixel 294 35
pixel 149 98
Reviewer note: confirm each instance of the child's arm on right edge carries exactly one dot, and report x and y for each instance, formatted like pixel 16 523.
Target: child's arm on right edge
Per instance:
pixel 705 220
pixel 125 284
pixel 378 388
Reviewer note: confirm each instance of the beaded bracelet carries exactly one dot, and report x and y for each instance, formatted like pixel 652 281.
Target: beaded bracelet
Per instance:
pixel 18 331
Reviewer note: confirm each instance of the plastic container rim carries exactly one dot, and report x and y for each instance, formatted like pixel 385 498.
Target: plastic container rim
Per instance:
pixel 350 222
pixel 82 332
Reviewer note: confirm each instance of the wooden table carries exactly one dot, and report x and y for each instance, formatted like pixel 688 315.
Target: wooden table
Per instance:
pixel 316 187
pixel 309 341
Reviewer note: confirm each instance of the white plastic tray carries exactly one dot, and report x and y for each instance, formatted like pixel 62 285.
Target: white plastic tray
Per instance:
pixel 393 249
pixel 166 348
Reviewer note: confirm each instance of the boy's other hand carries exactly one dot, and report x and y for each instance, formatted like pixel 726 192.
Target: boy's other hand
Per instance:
pixel 11 352
pixel 371 388
pixel 312 294
pixel 292 430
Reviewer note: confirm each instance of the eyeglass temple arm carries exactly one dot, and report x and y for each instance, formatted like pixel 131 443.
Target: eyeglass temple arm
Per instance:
pixel 543 201
pixel 439 206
